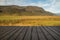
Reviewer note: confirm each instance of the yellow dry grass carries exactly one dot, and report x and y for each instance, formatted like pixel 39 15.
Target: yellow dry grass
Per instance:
pixel 29 20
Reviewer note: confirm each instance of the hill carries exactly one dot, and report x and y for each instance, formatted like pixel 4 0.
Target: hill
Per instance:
pixel 58 14
pixel 24 11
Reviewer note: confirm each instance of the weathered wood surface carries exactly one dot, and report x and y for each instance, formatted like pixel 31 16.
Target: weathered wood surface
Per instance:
pixel 30 33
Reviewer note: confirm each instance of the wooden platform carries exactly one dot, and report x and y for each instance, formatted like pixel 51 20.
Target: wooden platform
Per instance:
pixel 30 33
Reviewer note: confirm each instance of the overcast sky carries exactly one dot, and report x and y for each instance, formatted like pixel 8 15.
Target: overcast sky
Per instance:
pixel 49 5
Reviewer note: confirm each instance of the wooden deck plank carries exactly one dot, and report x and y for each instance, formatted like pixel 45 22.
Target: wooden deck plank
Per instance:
pixel 22 34
pixel 30 33
pixel 13 37
pixel 34 34
pixel 54 31
pixel 55 36
pixel 5 30
pixel 7 33
pixel 10 34
pixel 40 33
pixel 47 35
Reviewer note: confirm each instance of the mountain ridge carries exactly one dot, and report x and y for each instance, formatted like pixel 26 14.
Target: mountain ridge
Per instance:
pixel 24 11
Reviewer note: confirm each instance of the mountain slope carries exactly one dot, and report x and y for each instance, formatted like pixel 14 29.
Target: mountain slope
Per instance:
pixel 24 11
pixel 58 14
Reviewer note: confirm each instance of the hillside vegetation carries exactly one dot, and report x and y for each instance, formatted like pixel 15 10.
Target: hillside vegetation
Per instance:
pixel 24 11
pixel 13 15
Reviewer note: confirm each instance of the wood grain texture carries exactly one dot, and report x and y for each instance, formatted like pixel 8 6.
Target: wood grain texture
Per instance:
pixel 29 33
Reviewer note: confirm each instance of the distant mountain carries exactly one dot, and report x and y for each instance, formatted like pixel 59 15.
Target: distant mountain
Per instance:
pixel 24 11
pixel 58 14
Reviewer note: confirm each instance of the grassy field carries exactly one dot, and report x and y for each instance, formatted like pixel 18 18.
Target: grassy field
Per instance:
pixel 29 20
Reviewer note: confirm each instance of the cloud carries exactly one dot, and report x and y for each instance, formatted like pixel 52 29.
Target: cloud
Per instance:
pixel 49 5
pixel 55 7
pixel 11 2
